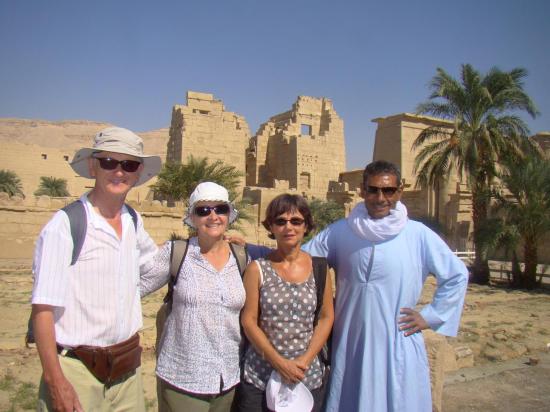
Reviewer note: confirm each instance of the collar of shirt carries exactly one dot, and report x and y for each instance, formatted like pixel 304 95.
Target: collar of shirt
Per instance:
pixel 99 222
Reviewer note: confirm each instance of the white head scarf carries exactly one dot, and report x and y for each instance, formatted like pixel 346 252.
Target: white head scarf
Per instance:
pixel 377 230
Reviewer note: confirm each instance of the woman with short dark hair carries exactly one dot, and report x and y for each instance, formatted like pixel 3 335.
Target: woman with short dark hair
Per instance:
pixel 278 316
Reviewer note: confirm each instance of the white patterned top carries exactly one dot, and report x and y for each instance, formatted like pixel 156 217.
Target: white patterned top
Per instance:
pixel 201 338
pixel 286 317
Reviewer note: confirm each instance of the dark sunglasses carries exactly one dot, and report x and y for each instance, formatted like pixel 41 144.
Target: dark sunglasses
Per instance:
pixel 386 191
pixel 221 209
pixel 295 221
pixel 108 163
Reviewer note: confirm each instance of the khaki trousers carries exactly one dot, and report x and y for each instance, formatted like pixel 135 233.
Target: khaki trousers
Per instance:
pixel 171 399
pixel 92 394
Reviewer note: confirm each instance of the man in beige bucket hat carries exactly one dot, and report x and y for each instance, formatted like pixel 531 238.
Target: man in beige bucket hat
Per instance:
pixel 86 302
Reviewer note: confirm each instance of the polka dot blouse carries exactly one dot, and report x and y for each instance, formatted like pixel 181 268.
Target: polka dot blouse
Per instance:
pixel 286 317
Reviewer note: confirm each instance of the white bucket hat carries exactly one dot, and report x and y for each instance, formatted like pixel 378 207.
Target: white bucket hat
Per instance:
pixel 209 192
pixel 117 140
pixel 281 397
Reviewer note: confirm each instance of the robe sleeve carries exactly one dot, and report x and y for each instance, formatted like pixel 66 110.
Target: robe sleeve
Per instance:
pixel 257 251
pixel 319 244
pixel 443 313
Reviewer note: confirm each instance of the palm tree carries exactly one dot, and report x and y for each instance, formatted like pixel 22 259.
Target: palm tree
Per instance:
pixel 10 183
pixel 52 186
pixel 496 234
pixel 324 213
pixel 176 181
pixel 481 108
pixel 524 206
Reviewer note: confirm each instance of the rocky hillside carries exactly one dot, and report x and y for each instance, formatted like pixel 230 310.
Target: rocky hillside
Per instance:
pixel 72 134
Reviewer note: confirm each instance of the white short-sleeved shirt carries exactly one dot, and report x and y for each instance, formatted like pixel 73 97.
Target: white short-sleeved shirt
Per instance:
pixel 96 301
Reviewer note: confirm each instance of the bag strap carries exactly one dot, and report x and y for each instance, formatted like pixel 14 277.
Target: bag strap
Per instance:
pixel 133 213
pixel 241 256
pixel 320 275
pixel 257 262
pixel 78 223
pixel 178 251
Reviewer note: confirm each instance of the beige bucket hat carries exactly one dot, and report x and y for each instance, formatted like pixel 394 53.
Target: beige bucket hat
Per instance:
pixel 117 140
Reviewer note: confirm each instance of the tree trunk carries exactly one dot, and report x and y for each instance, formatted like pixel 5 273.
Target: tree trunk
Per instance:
pixel 517 274
pixel 480 269
pixel 530 256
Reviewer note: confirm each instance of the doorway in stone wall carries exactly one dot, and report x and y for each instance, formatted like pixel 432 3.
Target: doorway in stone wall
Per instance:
pixel 305 180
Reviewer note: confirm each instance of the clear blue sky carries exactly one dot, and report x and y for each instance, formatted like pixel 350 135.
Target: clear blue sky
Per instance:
pixel 129 62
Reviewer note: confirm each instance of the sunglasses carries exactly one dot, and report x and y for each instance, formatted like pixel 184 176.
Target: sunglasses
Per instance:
pixel 203 211
pixel 295 221
pixel 386 191
pixel 108 163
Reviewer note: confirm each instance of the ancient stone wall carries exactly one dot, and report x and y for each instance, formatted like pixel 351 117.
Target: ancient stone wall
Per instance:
pixel 447 204
pixel 33 149
pixel 347 190
pixel 22 219
pixel 260 198
pixel 203 128
pixel 543 139
pixel 304 146
pixel 30 162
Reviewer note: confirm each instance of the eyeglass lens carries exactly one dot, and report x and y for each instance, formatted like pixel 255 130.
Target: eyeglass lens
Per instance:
pixel 108 163
pixel 386 191
pixel 202 211
pixel 295 221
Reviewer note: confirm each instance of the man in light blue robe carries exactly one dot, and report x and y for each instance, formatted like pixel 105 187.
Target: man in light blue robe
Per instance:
pixel 382 259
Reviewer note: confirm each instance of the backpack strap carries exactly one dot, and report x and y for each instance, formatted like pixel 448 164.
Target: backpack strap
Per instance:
pixel 241 256
pixel 178 250
pixel 78 222
pixel 133 213
pixel 320 274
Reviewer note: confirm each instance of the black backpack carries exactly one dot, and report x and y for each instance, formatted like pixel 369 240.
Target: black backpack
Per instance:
pixel 78 223
pixel 320 274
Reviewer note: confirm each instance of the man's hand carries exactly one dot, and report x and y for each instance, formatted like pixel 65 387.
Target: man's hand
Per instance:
pixel 62 393
pixel 236 239
pixel 63 396
pixel 412 321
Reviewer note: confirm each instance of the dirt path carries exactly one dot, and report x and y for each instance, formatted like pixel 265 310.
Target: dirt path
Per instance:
pixel 501 327
pixel 513 385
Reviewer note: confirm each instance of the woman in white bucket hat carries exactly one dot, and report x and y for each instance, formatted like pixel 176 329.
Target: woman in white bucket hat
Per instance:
pixel 198 359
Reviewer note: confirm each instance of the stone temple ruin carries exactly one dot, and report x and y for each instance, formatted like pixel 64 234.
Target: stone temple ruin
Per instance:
pixel 203 128
pixel 301 150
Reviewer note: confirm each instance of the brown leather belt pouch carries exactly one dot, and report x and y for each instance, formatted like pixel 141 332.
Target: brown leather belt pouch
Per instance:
pixel 111 363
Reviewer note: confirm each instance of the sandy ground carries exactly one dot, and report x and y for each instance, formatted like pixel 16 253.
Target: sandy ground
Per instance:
pixel 503 329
